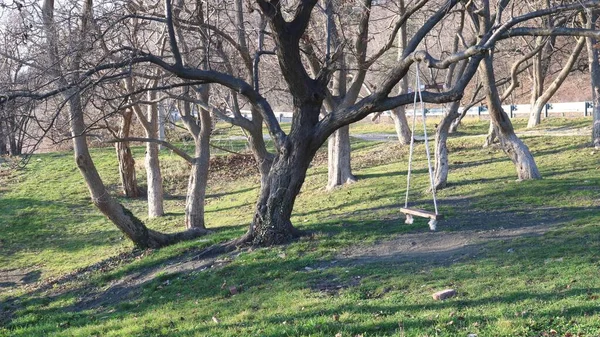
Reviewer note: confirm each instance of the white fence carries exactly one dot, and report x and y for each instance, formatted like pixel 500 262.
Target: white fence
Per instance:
pixel 571 109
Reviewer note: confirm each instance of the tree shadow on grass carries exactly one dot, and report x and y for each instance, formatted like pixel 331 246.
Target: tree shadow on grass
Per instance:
pixel 264 279
pixel 30 224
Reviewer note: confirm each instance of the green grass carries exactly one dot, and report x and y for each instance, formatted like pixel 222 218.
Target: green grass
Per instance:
pixel 471 126
pixel 515 286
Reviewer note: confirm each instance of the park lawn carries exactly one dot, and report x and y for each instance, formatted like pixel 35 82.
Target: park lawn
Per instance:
pixel 323 284
pixel 472 126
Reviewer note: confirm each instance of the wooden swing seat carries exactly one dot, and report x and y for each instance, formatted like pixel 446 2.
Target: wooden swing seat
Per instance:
pixel 421 213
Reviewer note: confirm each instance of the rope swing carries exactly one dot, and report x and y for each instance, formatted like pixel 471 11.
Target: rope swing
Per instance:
pixel 410 212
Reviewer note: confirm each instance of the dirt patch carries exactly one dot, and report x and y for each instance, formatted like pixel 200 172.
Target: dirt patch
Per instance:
pixel 331 284
pixel 462 236
pixel 232 167
pixel 130 286
pixel 16 277
pixel 436 247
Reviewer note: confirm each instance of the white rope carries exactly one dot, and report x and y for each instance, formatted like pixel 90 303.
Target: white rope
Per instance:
pixel 412 142
pixel 427 144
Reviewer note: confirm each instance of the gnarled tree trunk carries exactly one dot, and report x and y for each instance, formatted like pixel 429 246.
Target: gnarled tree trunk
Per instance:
pixel 271 223
pixel 514 148
pixel 125 158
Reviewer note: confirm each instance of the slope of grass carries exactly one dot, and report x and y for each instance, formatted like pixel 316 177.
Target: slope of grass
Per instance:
pixel 540 285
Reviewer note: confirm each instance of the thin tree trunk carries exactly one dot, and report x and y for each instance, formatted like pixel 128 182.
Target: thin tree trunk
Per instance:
pixel 126 161
pixel 594 65
pixel 263 158
pixel 196 195
pixel 3 149
pixel 442 167
pixel 131 226
pixel 491 135
pixel 514 148
pixel 456 123
pixel 338 145
pixel 399 114
pixel 542 100
pixel 340 167
pixel 153 174
pixel 401 125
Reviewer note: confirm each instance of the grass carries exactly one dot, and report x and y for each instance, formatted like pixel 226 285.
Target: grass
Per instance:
pixel 471 126
pixel 326 284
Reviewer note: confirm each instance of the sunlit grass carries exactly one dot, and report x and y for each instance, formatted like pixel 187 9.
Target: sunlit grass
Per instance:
pixel 517 286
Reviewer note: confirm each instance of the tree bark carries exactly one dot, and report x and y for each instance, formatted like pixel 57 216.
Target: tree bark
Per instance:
pixel 125 158
pixel 271 223
pixel 196 195
pixel 442 167
pixel 339 163
pixel 594 65
pixel 399 113
pixel 514 148
pixel 491 135
pixel 456 123
pixel 152 163
pixel 401 125
pixel 3 149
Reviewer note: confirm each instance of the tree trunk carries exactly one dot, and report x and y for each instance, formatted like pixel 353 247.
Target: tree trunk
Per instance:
pixel 131 226
pixel 399 113
pixel 340 167
pixel 594 65
pixel 535 115
pixel 544 98
pixel 491 135
pixel 256 141
pixel 154 180
pixel 126 161
pixel 3 149
pixel 456 123
pixel 196 195
pixel 514 148
pixel 440 174
pixel 401 125
pixel 153 174
pixel 271 224
pixel 537 86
